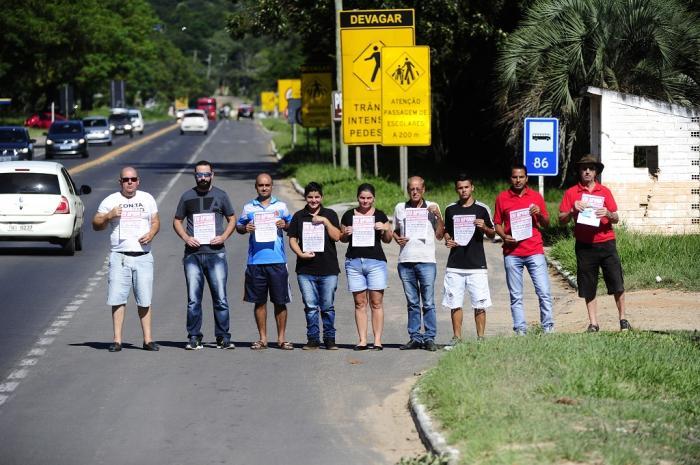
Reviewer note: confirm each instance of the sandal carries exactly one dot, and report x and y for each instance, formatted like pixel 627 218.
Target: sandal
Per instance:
pixel 360 347
pixel 258 345
pixel 378 347
pixel 285 345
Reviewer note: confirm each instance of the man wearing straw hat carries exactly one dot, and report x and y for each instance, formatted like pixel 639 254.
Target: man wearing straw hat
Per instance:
pixel 593 209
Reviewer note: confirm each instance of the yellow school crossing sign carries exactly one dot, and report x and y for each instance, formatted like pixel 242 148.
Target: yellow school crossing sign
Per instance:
pixel 363 35
pixel 405 95
pixel 316 88
pixel 268 100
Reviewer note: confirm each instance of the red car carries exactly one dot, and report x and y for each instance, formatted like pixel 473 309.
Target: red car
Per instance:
pixel 42 120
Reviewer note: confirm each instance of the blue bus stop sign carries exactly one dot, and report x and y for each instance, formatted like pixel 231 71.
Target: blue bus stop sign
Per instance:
pixel 541 146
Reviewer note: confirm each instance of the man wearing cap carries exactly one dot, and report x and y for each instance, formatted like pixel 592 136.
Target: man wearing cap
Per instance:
pixel 593 209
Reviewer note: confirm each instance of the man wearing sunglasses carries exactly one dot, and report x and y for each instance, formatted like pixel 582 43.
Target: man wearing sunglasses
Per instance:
pixel 205 207
pixel 132 216
pixel 593 209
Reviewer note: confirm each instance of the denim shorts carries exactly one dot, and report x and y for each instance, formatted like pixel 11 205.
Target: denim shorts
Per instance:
pixel 127 273
pixel 476 283
pixel 365 273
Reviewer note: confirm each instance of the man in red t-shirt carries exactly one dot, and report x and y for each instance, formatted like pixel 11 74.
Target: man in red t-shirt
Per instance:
pixel 593 209
pixel 519 214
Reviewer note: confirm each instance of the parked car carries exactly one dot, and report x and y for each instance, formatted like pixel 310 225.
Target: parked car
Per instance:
pixel 40 202
pixel 245 110
pixel 42 120
pixel 15 144
pixel 120 123
pixel 97 130
pixel 66 138
pixel 136 120
pixel 194 121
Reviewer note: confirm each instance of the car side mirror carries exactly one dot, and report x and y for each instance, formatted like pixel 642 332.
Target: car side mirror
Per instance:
pixel 85 189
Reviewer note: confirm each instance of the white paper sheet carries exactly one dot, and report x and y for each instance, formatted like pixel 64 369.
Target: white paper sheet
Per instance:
pixel 313 237
pixel 363 231
pixel 521 224
pixel 416 223
pixel 132 224
pixel 587 216
pixel 463 228
pixel 204 225
pixel 265 228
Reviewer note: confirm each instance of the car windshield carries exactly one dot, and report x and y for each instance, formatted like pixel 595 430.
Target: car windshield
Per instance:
pixel 133 113
pixel 65 128
pixel 94 123
pixel 194 115
pixel 12 135
pixel 29 183
pixel 119 117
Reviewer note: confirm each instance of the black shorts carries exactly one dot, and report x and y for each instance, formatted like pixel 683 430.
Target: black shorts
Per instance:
pixel 259 279
pixel 591 257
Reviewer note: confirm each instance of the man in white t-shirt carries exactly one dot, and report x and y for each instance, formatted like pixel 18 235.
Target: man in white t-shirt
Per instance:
pixel 132 216
pixel 417 223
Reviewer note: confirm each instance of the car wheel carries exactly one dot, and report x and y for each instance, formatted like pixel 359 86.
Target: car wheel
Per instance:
pixel 68 246
pixel 131 134
pixel 79 240
pixel 48 156
pixel 182 133
pixel 141 133
pixel 109 143
pixel 85 154
pixel 205 132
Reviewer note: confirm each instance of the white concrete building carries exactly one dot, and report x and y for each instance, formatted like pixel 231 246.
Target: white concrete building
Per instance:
pixel 651 153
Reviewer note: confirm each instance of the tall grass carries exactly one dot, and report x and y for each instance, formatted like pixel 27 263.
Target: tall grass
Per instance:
pixel 612 398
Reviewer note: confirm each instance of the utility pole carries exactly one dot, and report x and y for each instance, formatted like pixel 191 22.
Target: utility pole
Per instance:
pixel 208 65
pixel 344 158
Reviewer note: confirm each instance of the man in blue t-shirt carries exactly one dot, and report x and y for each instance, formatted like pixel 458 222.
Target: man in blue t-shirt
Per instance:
pixel 265 218
pixel 205 207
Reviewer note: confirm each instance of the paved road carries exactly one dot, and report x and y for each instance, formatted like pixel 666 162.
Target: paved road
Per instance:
pixel 65 400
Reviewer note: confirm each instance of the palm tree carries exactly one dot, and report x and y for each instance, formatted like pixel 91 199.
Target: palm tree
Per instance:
pixel 644 47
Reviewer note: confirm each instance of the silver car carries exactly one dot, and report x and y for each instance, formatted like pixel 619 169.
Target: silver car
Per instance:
pixel 97 130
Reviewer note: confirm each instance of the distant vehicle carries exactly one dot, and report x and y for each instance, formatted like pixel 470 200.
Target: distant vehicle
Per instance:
pixel 66 138
pixel 119 123
pixel 179 112
pixel 15 144
pixel 42 120
pixel 97 130
pixel 245 110
pixel 40 202
pixel 541 137
pixel 208 105
pixel 194 121
pixel 136 120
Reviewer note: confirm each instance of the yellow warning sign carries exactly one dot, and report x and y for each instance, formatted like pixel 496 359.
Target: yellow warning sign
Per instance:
pixel 406 95
pixel 316 88
pixel 363 35
pixel 268 100
pixel 286 89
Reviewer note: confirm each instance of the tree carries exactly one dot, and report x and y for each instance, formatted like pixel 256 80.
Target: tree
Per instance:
pixel 643 47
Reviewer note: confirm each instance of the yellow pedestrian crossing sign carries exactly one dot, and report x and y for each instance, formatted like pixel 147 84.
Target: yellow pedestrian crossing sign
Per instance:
pixel 363 35
pixel 316 88
pixel 405 93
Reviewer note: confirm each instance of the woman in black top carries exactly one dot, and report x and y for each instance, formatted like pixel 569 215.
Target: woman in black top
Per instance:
pixel 365 263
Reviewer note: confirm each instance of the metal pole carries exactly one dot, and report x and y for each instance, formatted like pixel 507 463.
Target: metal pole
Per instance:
pixel 358 163
pixel 53 112
pixel 294 134
pixel 403 166
pixel 540 181
pixel 318 143
pixel 376 162
pixel 333 142
pixel 344 156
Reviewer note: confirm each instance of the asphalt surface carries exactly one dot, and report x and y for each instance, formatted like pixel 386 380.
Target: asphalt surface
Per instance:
pixel 64 399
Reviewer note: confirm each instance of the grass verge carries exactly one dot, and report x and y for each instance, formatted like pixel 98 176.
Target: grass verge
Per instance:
pixel 612 398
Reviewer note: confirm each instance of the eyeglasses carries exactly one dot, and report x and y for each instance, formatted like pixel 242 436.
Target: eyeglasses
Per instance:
pixel 202 175
pixel 134 179
pixel 588 168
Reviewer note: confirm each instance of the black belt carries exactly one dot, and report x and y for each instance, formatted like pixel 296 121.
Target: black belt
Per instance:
pixel 133 254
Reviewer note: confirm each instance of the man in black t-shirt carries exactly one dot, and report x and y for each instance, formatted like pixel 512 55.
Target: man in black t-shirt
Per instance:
pixel 205 207
pixel 466 222
pixel 313 232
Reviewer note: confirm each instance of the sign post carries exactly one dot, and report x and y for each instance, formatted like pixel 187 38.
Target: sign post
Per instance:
pixel 541 148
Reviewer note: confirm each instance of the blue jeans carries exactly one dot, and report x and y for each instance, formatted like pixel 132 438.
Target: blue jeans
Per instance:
pixel 418 281
pixel 537 267
pixel 318 294
pixel 214 268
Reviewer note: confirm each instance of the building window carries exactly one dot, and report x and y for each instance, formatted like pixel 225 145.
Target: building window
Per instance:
pixel 647 156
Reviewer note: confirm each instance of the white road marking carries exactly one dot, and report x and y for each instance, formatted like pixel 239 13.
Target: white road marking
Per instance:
pixel 52 331
pixel 36 352
pixel 71 308
pixel 27 362
pixel 18 374
pixel 65 316
pixel 59 323
pixel 45 341
pixel 8 387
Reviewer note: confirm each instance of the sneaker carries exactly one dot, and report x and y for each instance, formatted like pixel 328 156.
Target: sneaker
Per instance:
pixel 115 347
pixel 625 325
pixel 312 344
pixel 330 344
pixel 411 345
pixel 195 343
pixel 222 343
pixel 429 345
pixel 595 328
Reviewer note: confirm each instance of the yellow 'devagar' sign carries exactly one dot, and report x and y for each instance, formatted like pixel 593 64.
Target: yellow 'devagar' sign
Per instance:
pixel 316 88
pixel 406 95
pixel 363 34
pixel 286 89
pixel 268 100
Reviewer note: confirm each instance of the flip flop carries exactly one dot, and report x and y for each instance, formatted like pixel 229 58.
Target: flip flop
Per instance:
pixel 258 345
pixel 359 347
pixel 378 347
pixel 285 345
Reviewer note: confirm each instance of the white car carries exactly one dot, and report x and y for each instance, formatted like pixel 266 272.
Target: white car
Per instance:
pixel 194 121
pixel 40 202
pixel 136 120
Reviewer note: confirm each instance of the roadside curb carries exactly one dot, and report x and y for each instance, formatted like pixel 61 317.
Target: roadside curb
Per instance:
pixel 570 277
pixel 432 439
